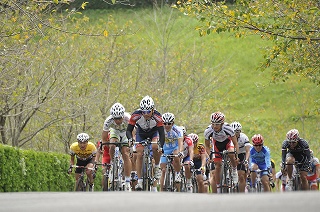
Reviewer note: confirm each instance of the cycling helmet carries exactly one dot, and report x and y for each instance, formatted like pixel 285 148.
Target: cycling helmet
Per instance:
pixel 236 126
pixel 257 139
pixel 217 117
pixel 183 130
pixel 117 110
pixel 293 135
pixel 194 137
pixel 168 117
pixel 147 103
pixel 83 137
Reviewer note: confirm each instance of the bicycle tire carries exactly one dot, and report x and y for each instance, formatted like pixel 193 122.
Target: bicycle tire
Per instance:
pixel 194 183
pixel 106 183
pixel 114 183
pixel 183 184
pixel 259 187
pixel 80 184
pixel 223 179
pixel 297 183
pixel 169 179
pixel 145 182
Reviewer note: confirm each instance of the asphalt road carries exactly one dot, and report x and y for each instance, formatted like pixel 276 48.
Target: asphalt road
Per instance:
pixel 158 202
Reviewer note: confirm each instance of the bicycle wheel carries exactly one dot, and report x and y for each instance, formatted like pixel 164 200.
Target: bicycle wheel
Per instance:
pixel 194 183
pixel 297 183
pixel 259 187
pixel 145 183
pixel 183 183
pixel 80 186
pixel 223 180
pixel 114 182
pixel 169 178
pixel 106 185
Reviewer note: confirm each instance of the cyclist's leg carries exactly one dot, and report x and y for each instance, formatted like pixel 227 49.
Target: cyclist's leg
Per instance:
pixel 89 172
pixel 199 177
pixel 289 160
pixel 253 174
pixel 218 147
pixel 304 181
pixel 125 152
pixel 114 138
pixel 156 155
pixel 139 158
pixel 163 164
pixel 242 173
pixel 213 178
pixel 264 177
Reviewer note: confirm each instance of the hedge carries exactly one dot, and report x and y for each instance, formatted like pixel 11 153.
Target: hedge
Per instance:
pixel 28 170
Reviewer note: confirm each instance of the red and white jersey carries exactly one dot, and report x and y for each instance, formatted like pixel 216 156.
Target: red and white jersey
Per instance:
pixel 225 133
pixel 187 143
pixel 243 141
pixel 146 125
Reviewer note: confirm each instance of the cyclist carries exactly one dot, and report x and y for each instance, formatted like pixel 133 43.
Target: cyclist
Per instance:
pixel 149 124
pixel 223 138
pixel 296 149
pixel 281 178
pixel 313 174
pixel 244 148
pixel 85 152
pixel 115 125
pixel 199 160
pixel 188 153
pixel 260 159
pixel 173 145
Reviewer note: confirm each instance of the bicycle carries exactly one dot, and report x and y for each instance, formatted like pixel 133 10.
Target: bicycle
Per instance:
pixel 147 164
pixel 169 178
pixel 296 180
pixel 194 181
pixel 82 183
pixel 227 184
pixel 183 184
pixel 106 181
pixel 115 175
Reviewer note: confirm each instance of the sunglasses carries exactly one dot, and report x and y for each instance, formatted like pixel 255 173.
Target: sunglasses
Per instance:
pixel 146 111
pixel 167 123
pixel 216 124
pixel 258 145
pixel 237 131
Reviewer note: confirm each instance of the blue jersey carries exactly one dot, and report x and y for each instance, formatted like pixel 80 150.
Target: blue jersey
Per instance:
pixel 171 137
pixel 262 158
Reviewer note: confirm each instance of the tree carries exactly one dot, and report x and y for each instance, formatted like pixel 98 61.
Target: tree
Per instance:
pixel 293 26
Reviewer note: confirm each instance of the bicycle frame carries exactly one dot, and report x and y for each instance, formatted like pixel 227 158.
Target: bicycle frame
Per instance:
pixel 147 164
pixel 117 167
pixel 226 181
pixel 82 182
pixel 169 179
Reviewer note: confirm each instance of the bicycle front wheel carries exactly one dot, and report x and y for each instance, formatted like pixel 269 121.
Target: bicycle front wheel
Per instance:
pixel 169 179
pixel 80 186
pixel 106 185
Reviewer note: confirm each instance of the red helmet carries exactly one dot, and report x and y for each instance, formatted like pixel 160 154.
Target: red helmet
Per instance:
pixel 194 137
pixel 257 139
pixel 217 117
pixel 293 135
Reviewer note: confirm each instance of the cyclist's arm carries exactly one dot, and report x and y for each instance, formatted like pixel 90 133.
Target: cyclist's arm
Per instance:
pixel 180 144
pixel 161 135
pixel 247 147
pixel 105 136
pixel 203 159
pixel 129 131
pixel 207 144
pixel 235 144
pixel 72 160
pixel 191 152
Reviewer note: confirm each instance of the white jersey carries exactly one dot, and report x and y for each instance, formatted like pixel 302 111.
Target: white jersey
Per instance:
pixel 243 141
pixel 121 129
pixel 225 133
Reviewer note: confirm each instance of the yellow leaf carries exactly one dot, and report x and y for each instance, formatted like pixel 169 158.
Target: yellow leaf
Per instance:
pixel 105 33
pixel 56 1
pixel 84 4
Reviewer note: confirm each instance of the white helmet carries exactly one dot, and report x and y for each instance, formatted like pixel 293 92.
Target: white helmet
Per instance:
pixel 117 110
pixel 236 126
pixel 168 117
pixel 82 137
pixel 147 103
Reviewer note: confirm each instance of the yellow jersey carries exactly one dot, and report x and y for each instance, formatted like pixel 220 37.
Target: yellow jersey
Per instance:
pixel 86 154
pixel 198 150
